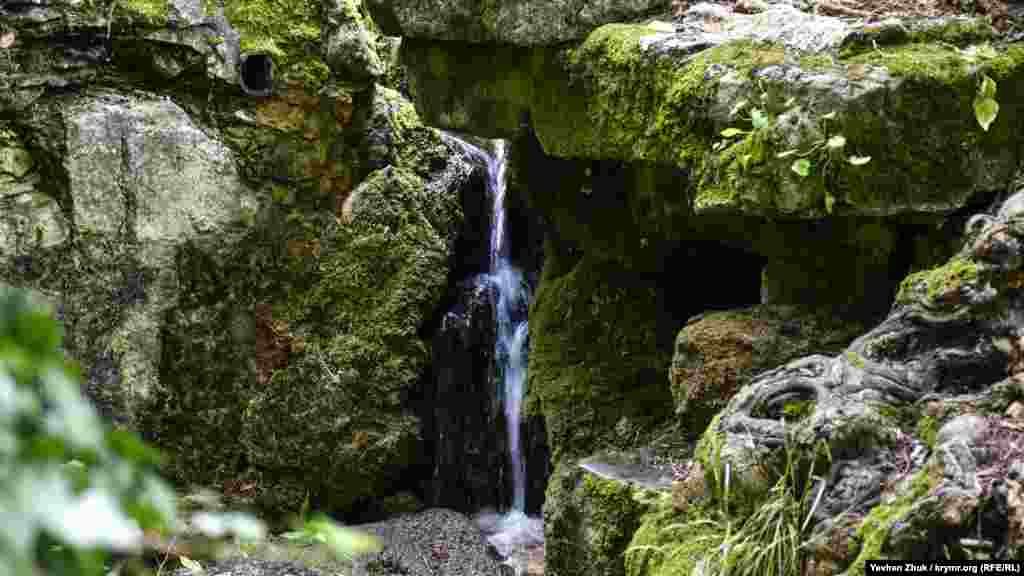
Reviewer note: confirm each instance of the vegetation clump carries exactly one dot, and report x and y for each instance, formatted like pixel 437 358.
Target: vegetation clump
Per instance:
pixel 940 283
pixel 718 537
pixel 100 485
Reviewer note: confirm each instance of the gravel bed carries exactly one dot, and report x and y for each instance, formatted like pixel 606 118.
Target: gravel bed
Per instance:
pixel 435 542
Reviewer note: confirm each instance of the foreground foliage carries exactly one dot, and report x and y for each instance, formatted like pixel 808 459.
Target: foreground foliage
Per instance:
pixel 74 491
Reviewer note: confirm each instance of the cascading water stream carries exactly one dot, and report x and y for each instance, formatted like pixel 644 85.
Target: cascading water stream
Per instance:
pixel 513 297
pixel 514 530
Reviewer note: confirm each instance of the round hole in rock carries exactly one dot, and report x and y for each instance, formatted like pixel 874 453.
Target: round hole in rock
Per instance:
pixel 793 404
pixel 257 74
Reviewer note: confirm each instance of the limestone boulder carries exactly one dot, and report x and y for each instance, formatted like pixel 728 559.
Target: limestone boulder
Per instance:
pixel 917 413
pixel 718 353
pixel 647 92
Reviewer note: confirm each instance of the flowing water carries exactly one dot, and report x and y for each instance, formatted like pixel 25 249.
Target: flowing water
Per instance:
pixel 512 532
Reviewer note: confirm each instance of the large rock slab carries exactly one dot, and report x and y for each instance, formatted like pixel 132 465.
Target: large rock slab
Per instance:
pixel 141 178
pixel 175 181
pixel 520 22
pixel 635 92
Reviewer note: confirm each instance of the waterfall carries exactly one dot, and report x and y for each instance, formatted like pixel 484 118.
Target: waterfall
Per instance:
pixel 513 531
pixel 513 296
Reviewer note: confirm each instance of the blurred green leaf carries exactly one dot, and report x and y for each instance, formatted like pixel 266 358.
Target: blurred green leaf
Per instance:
pixel 129 446
pixel 70 492
pixel 221 524
pixel 343 542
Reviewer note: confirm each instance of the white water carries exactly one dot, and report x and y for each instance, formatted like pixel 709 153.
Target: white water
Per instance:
pixel 514 530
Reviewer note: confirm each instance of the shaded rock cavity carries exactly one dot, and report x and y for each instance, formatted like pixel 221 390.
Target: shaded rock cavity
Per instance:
pixel 256 74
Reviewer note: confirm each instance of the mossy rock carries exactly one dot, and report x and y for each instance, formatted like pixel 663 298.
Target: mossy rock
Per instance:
pixel 720 352
pixel 589 520
pixel 335 406
pixel 630 93
pixel 594 356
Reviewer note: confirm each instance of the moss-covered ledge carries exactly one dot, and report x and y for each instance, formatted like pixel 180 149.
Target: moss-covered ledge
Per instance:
pixel 593 507
pixel 633 93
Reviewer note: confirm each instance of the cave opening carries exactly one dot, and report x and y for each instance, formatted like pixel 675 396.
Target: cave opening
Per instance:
pixel 700 276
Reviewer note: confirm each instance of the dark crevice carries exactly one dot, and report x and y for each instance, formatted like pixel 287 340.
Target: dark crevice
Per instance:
pixel 702 276
pixel 256 75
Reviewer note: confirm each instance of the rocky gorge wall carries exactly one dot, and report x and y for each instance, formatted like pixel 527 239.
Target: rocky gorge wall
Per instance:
pixel 787 168
pixel 253 239
pixel 246 233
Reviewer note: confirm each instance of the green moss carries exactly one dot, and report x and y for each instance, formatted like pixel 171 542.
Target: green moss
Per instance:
pixel 612 517
pixel 726 181
pixel 895 415
pixel 637 105
pixel 1006 64
pixel 874 529
pixel 710 442
pixel 761 533
pixel 662 547
pixel 928 430
pixel 797 410
pixel 284 29
pixel 954 33
pixel 594 354
pixel 924 62
pixel 958 32
pixel 938 282
pixel 149 12
pixel 855 359
pixel 817 62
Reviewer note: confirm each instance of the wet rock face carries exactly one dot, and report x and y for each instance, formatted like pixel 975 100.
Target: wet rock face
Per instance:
pixel 921 401
pixel 460 412
pixel 465 463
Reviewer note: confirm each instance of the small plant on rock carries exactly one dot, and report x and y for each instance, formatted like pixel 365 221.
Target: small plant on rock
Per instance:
pixel 813 159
